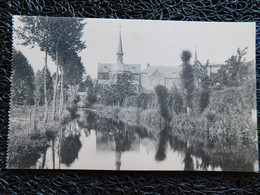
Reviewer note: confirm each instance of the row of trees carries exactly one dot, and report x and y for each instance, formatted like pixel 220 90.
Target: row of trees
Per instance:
pixel 59 39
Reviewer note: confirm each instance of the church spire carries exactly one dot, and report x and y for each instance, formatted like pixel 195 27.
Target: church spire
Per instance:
pixel 195 57
pixel 120 49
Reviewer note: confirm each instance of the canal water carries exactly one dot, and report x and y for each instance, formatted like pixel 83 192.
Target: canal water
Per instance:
pixel 94 142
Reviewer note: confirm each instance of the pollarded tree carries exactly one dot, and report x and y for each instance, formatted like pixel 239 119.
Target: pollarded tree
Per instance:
pixel 22 80
pixel 163 100
pixel 187 79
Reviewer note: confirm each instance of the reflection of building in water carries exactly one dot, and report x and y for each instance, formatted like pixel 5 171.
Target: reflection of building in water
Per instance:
pixel 117 142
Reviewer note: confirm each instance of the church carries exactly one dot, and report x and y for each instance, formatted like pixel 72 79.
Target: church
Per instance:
pixel 144 80
pixel 106 71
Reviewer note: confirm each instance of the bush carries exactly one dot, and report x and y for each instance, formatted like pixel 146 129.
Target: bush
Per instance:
pixel 162 96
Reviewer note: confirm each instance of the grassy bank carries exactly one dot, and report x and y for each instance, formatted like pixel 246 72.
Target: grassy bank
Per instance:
pixel 133 116
pixel 28 141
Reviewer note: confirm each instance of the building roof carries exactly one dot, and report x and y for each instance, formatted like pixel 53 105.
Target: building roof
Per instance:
pixel 167 71
pixel 111 82
pixel 107 67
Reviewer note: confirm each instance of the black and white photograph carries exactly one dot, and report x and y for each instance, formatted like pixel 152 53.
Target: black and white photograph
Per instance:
pixel 117 94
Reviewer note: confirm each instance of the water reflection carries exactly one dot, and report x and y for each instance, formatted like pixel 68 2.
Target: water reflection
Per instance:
pixel 70 147
pixel 95 142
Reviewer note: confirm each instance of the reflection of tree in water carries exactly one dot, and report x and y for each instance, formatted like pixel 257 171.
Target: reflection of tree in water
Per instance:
pixel 188 162
pixel 123 141
pixel 70 147
pixel 114 132
pixel 163 140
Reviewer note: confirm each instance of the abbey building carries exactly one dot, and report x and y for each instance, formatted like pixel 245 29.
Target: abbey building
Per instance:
pixel 145 79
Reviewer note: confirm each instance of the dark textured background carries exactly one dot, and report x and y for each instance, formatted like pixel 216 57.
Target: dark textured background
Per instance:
pixel 112 182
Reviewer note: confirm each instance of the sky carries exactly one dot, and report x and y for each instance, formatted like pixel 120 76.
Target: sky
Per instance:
pixel 156 42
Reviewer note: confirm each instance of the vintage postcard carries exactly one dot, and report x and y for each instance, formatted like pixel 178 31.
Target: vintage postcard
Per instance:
pixel 110 94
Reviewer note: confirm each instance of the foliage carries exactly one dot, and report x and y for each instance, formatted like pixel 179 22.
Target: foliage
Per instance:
pixel 91 98
pixel 116 92
pixel 70 147
pixel 162 94
pixel 205 93
pixel 73 69
pixel 233 73
pixel 142 100
pixel 25 148
pixel 52 34
pixel 163 140
pixel 91 91
pixel 85 84
pixel 22 80
pixel 176 102
pixel 40 86
pixel 187 78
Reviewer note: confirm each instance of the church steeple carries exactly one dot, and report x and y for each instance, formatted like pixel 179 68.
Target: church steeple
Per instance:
pixel 195 57
pixel 120 49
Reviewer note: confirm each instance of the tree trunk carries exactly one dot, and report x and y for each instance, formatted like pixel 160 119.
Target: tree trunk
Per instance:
pixel 55 88
pixel 44 159
pixel 45 90
pixel 61 93
pixel 53 153
pixel 35 115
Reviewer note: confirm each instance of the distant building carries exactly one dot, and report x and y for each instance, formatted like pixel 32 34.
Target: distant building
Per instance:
pixel 160 75
pixel 106 71
pixel 151 76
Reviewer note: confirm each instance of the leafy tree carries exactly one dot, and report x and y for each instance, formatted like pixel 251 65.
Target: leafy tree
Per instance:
pixel 187 78
pixel 54 36
pixel 237 69
pixel 234 73
pixel 36 32
pixel 116 92
pixel 205 93
pixel 22 80
pixel 86 84
pixel 40 86
pixel 73 71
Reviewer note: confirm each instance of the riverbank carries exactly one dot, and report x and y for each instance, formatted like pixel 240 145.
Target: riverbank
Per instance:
pixel 207 135
pixel 133 116
pixel 27 141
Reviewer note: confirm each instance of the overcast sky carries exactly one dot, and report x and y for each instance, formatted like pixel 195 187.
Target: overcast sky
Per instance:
pixel 156 42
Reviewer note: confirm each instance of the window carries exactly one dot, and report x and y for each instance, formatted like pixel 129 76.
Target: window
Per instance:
pixel 161 82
